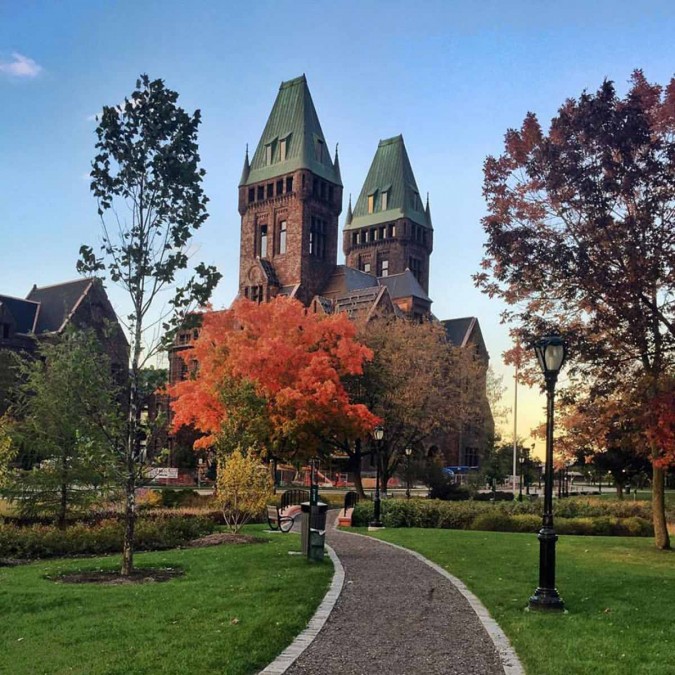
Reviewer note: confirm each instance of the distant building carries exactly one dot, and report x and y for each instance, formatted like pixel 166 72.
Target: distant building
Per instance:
pixel 47 311
pixel 290 199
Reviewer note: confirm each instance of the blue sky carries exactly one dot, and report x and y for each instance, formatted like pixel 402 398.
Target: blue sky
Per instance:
pixel 450 76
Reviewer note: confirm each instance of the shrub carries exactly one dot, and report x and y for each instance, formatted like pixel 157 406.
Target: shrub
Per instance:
pixel 244 488
pixel 497 496
pixel 44 541
pixel 175 498
pixel 442 486
pixel 148 499
pixel 502 517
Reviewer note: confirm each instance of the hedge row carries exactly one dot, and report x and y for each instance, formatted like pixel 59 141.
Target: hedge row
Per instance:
pixel 502 517
pixel 45 541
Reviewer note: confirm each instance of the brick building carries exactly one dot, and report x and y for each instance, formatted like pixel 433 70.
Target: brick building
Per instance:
pixel 47 311
pixel 290 199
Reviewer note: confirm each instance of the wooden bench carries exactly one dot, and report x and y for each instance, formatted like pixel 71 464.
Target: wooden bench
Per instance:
pixel 282 517
pixel 279 521
pixel 345 515
pixel 293 497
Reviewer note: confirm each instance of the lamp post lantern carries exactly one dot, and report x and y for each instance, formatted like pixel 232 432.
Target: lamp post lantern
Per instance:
pixel 408 455
pixel 378 435
pixel 551 352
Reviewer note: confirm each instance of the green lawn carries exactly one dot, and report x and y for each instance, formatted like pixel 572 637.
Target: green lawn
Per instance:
pixel 234 610
pixel 620 593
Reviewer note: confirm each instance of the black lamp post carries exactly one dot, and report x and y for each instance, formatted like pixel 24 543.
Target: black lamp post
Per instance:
pixel 521 461
pixel 408 455
pixel 551 352
pixel 313 482
pixel 378 435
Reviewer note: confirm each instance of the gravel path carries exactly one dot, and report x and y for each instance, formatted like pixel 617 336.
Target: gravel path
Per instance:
pixel 396 615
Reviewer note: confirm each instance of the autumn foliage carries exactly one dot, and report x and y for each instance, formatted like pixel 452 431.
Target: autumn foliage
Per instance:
pixel 580 240
pixel 244 488
pixel 272 372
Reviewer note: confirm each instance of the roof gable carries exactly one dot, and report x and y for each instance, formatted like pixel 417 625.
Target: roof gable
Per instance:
pixel 293 124
pixel 24 312
pixel 461 332
pixel 57 303
pixel 345 279
pixel 404 285
pixel 392 173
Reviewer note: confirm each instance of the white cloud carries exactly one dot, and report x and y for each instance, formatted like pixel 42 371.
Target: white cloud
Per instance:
pixel 20 66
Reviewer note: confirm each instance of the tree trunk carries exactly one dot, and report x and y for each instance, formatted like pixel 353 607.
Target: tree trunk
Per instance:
pixel 129 519
pixel 358 483
pixel 63 505
pixel 619 490
pixel 354 465
pixel 63 502
pixel 131 454
pixel 661 537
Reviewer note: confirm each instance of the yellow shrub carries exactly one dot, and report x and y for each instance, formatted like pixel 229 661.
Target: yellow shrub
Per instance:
pixel 244 488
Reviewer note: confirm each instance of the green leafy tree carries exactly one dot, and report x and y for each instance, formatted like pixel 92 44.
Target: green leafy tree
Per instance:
pixel 7 451
pixel 68 416
pixel 148 184
pixel 580 239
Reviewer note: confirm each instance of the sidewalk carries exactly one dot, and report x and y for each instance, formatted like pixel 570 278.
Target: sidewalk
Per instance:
pixel 395 615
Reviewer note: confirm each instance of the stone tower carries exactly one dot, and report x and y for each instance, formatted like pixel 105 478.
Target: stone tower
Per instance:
pixel 389 229
pixel 290 197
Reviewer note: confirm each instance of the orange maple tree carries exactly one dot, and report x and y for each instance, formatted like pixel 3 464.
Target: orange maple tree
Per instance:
pixel 272 372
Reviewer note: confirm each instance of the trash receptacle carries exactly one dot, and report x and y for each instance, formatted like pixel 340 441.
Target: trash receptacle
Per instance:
pixel 313 530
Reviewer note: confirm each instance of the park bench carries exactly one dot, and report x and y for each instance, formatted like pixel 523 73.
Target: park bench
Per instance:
pixel 345 515
pixel 283 516
pixel 277 521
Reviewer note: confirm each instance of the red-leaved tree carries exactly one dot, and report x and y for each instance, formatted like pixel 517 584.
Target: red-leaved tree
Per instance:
pixel 270 375
pixel 581 238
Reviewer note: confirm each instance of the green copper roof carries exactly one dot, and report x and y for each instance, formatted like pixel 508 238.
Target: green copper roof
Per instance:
pixel 390 172
pixel 293 124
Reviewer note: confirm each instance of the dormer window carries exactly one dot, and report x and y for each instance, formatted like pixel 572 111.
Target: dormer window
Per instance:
pixel 371 203
pixel 282 149
pixel 269 149
pixel 318 148
pixel 384 200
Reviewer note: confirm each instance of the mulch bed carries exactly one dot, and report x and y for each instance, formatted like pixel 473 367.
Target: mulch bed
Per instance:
pixel 12 562
pixel 218 538
pixel 140 575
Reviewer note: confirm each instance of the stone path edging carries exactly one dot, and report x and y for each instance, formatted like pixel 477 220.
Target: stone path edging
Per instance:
pixel 286 659
pixel 507 655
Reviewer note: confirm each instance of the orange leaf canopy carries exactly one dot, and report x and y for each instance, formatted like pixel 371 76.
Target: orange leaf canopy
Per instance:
pixel 295 361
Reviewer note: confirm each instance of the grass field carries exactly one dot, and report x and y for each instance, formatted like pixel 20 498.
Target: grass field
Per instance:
pixel 234 610
pixel 620 593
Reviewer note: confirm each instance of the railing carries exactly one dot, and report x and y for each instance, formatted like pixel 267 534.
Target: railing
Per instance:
pixel 293 498
pixel 351 499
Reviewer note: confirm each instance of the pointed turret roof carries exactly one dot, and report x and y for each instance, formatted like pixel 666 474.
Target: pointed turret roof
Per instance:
pixel 293 120
pixel 336 165
pixel 246 170
pixel 350 213
pixel 390 172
